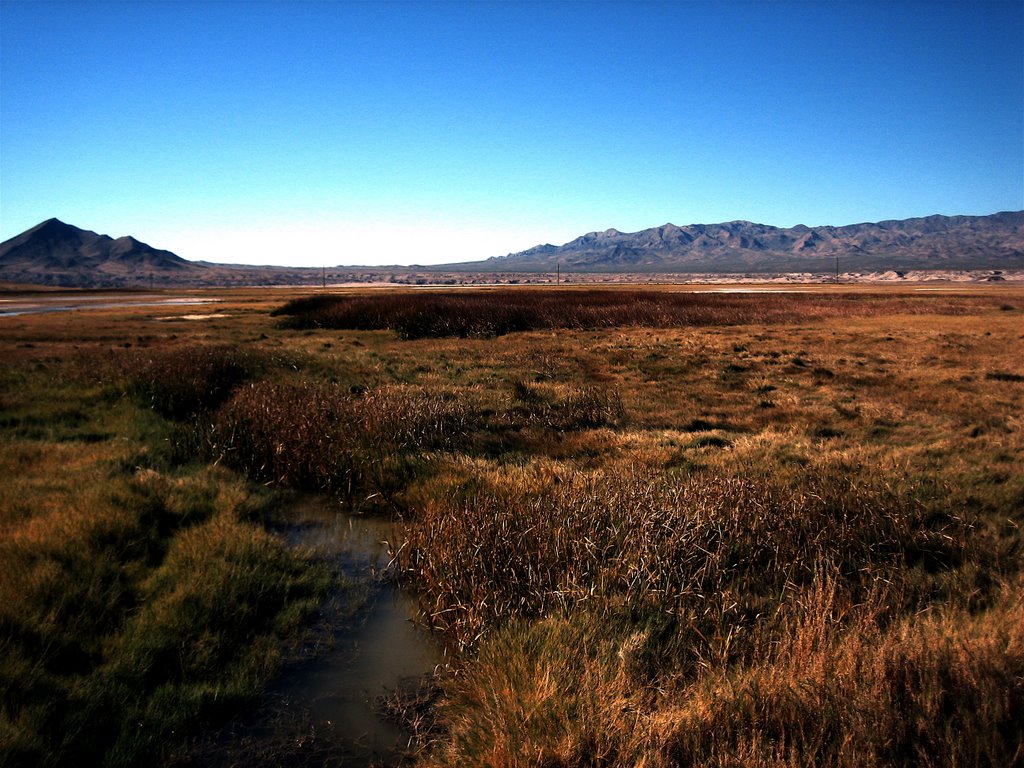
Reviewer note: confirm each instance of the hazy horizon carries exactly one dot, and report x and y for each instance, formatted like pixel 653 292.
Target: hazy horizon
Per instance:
pixel 309 134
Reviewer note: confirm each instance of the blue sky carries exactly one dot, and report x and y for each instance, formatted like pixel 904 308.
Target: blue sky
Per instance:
pixel 322 133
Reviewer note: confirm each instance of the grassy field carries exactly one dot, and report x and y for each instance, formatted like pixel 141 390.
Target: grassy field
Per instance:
pixel 655 527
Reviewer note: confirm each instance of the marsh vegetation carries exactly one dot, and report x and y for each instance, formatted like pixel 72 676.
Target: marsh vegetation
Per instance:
pixel 653 528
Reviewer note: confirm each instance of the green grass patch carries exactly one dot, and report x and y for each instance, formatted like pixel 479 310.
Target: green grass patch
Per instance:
pixel 139 602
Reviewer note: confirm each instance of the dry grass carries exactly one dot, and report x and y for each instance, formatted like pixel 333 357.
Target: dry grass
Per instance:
pixel 827 580
pixel 833 684
pixel 715 549
pixel 768 530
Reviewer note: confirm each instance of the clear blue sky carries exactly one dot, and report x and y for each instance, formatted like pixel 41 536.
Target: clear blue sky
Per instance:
pixel 420 132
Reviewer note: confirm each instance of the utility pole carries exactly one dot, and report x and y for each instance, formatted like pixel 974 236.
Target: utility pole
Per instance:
pixel 323 276
pixel 558 272
pixel 837 269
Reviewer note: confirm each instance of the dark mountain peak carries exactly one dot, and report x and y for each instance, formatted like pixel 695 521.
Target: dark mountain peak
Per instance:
pixel 57 253
pixel 1010 217
pixel 49 234
pixel 53 226
pixel 49 225
pixel 125 246
pixel 603 235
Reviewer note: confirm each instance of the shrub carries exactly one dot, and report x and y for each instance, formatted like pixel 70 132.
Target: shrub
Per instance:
pixel 1004 376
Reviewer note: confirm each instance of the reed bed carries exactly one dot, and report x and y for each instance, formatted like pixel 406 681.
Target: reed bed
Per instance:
pixel 706 546
pixel 498 312
pixel 839 616
pixel 368 445
pixel 828 682
pixel 182 381
pixel 327 438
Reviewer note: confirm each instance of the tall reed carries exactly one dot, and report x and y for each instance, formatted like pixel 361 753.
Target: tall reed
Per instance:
pixel 326 438
pixel 705 546
pixel 178 382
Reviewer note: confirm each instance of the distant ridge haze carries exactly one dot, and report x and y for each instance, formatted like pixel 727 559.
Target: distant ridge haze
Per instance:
pixel 55 253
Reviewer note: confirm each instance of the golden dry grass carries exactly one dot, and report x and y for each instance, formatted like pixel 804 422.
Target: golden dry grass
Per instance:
pixel 789 540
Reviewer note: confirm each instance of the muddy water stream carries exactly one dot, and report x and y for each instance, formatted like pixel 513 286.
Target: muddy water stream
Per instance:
pixel 321 710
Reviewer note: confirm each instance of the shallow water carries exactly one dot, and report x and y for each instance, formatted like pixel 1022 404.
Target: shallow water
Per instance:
pixel 321 710
pixel 370 656
pixel 63 303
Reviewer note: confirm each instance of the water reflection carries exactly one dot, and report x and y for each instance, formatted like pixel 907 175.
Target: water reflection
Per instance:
pixel 42 304
pixel 321 710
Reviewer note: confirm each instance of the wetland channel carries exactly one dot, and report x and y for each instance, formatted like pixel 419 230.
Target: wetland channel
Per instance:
pixel 323 708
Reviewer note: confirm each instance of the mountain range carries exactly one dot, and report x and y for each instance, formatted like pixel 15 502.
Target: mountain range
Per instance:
pixel 932 242
pixel 55 253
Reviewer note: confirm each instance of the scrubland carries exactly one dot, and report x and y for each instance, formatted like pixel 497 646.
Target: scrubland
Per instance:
pixel 654 528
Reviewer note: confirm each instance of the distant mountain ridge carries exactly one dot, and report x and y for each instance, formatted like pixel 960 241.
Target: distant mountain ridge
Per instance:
pixel 932 242
pixel 55 253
